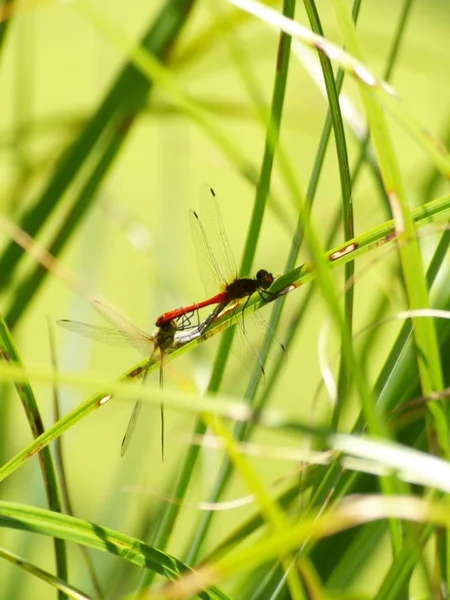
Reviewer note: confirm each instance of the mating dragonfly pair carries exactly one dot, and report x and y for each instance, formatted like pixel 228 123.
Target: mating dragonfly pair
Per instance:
pixel 174 328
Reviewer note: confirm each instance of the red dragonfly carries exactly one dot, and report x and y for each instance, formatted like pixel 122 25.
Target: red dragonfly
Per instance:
pixel 217 267
pixel 162 341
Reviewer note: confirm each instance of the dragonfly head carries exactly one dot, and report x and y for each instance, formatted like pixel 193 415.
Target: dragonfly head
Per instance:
pixel 264 278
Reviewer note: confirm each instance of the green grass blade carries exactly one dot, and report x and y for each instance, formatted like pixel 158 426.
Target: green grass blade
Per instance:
pixel 64 589
pixel 28 518
pixel 10 354
pixel 61 465
pixel 424 332
pixel 346 197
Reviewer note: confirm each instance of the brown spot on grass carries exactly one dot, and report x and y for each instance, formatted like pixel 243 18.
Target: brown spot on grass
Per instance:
pixel 343 251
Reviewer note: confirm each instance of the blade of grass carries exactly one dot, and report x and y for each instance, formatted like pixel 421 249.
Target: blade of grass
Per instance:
pixel 270 510
pixel 10 355
pixel 256 521
pixel 424 332
pixel 344 515
pixel 387 396
pixel 401 383
pixel 32 519
pixel 59 460
pixel 64 589
pixel 425 336
pixel 355 67
pixel 346 198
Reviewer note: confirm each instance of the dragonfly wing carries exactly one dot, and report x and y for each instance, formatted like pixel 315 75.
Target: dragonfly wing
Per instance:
pixel 96 332
pixel 248 345
pixel 135 414
pixel 207 265
pixel 130 427
pixel 143 342
pixel 214 255
pixel 253 333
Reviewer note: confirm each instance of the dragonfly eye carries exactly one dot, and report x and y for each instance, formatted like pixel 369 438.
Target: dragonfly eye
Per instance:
pixel 264 278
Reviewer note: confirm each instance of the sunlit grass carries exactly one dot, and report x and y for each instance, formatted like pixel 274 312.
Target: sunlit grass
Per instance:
pixel 328 478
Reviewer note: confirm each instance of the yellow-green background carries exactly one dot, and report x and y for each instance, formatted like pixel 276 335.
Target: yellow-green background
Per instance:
pixel 55 69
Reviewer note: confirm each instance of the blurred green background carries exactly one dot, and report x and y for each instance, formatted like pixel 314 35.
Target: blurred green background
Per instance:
pixel 134 246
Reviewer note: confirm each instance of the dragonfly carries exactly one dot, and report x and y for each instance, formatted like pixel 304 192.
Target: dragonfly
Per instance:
pixel 164 339
pixel 217 266
pixel 218 269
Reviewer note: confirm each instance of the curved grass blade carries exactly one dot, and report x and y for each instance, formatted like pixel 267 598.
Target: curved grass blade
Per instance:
pixel 64 589
pixel 92 535
pixel 9 354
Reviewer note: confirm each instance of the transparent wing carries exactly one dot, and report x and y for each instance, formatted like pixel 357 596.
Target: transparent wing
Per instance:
pixel 252 334
pixel 130 427
pixel 137 409
pixel 143 342
pixel 214 255
pixel 124 333
pixel 247 346
pixel 95 332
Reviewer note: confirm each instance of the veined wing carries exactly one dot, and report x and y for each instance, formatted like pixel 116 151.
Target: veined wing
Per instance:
pixel 96 332
pixel 214 255
pixel 161 340
pixel 131 426
pixel 143 342
pixel 253 334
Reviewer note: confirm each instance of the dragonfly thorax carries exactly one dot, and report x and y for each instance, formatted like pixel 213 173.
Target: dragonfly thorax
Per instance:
pixel 246 286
